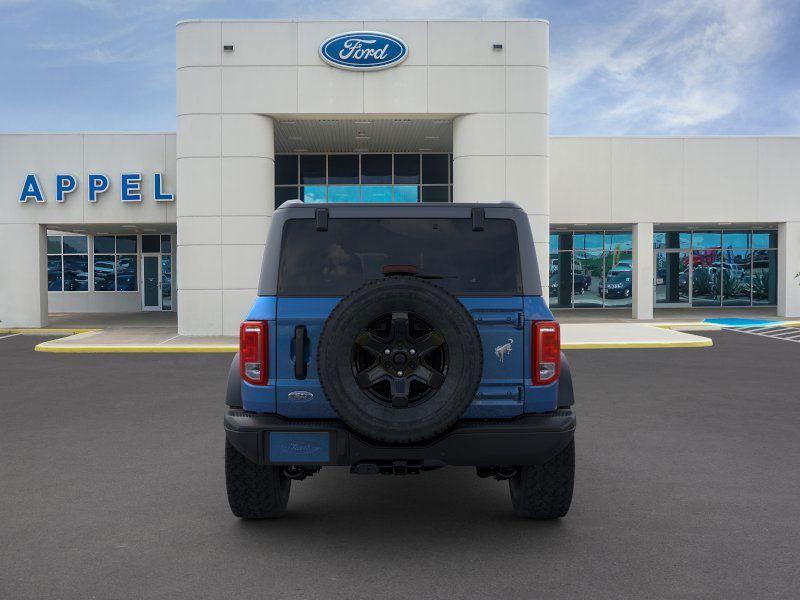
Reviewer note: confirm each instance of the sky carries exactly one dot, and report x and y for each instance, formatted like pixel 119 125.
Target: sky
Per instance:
pixel 669 67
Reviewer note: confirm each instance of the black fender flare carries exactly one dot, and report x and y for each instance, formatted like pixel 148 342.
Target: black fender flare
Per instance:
pixel 566 395
pixel 233 394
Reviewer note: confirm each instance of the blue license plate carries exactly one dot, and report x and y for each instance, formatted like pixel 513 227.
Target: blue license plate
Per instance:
pixel 299 447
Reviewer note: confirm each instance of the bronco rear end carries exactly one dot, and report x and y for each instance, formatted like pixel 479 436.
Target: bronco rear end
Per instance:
pixel 398 339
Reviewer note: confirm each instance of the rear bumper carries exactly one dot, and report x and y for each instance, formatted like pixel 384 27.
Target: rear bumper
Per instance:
pixel 526 440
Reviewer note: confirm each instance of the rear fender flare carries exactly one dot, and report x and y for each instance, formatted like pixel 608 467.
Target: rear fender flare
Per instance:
pixel 233 395
pixel 566 395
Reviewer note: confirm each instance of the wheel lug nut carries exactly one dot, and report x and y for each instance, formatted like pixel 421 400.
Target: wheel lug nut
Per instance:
pixel 412 351
pixel 399 373
pixel 387 351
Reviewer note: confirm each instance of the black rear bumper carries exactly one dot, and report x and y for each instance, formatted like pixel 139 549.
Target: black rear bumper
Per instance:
pixel 526 440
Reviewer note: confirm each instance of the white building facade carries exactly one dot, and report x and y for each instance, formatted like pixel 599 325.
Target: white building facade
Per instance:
pixel 126 222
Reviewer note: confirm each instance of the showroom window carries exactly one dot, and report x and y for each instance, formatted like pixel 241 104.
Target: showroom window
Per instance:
pixel 591 269
pixel 716 267
pixel 376 177
pixel 115 263
pixel 67 263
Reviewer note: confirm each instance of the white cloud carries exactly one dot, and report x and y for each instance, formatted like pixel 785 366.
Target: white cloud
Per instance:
pixel 669 69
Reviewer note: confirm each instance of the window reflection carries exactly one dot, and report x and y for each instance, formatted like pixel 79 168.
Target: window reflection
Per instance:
pixel 672 278
pixel 405 177
pixel 765 277
pixel 721 268
pixel 587 277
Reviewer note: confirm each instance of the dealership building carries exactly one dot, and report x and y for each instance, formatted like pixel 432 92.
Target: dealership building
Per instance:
pixel 389 111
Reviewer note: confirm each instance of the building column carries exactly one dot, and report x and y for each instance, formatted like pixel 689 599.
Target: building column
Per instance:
pixel 789 270
pixel 505 157
pixel 642 271
pixel 23 271
pixel 226 176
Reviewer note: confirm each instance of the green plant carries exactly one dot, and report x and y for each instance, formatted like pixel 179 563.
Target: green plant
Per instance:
pixel 705 282
pixel 761 285
pixel 733 286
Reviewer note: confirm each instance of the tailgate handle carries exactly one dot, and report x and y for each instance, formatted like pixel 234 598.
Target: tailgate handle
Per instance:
pixel 300 365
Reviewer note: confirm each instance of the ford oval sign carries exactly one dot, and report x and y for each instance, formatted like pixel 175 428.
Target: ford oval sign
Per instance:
pixel 363 50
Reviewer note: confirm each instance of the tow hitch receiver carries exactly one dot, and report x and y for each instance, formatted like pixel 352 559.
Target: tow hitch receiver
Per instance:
pixel 396 467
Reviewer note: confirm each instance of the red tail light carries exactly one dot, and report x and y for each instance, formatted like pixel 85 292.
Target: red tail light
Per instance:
pixel 253 365
pixel 546 352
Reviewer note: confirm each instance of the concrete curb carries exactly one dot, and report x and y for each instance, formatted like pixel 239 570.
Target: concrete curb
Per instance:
pixel 704 343
pixel 153 348
pixel 46 331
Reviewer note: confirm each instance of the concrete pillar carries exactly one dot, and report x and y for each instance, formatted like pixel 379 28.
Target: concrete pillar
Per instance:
pixel 23 276
pixel 642 271
pixel 226 174
pixel 789 269
pixel 499 157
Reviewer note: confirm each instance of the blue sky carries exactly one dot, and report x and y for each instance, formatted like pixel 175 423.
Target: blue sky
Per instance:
pixel 617 68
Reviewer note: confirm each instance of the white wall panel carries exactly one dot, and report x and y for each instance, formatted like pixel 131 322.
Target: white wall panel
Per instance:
pixel 200 267
pixel 245 230
pixel 466 89
pixel 720 179
pixel 466 42
pixel 413 33
pixel 527 43
pixel 198 135
pixel 259 90
pixel 199 230
pixel 328 90
pixel 779 179
pixel 200 181
pixel 198 44
pixel 526 89
pixel 199 90
pixel 580 180
pixel 647 179
pixel 403 89
pixel 247 135
pixel 241 266
pixel 259 43
pixel 247 186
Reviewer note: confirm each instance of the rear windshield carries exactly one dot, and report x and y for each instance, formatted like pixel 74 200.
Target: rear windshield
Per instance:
pixel 353 251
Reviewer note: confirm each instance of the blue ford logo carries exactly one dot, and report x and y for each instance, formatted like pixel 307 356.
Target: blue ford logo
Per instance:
pixel 363 50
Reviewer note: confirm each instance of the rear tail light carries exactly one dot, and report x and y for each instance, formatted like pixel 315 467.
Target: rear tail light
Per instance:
pixel 253 338
pixel 546 352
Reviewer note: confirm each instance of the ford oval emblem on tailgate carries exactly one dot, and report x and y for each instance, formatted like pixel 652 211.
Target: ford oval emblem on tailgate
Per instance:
pixel 363 50
pixel 300 396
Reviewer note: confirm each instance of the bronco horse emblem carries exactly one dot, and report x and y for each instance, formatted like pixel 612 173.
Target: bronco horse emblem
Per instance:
pixel 505 349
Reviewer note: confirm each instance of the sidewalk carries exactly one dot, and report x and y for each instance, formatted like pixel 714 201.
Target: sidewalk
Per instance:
pixel 157 332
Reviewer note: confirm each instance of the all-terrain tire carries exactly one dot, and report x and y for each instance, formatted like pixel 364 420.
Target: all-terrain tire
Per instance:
pixel 254 491
pixel 545 491
pixel 430 303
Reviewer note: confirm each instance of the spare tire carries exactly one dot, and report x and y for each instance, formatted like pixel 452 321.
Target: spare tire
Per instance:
pixel 400 359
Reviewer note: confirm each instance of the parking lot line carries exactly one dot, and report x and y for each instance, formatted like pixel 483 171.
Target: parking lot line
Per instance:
pixel 790 333
pixel 2 337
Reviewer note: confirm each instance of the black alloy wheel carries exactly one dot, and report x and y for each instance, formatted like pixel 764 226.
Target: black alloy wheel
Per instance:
pixel 400 359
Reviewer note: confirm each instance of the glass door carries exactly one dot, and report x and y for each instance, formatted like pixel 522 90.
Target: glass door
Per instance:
pixel 151 282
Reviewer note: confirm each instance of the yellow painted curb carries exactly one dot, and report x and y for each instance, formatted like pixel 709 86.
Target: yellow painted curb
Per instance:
pixel 100 349
pixel 686 326
pixel 704 343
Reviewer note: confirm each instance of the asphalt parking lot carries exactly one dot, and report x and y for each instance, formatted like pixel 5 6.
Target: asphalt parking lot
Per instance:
pixel 688 481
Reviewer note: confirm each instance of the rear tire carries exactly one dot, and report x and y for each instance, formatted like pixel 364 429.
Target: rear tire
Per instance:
pixel 254 491
pixel 545 491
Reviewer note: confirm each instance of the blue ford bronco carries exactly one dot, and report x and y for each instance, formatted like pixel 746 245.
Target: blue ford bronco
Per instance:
pixel 397 339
